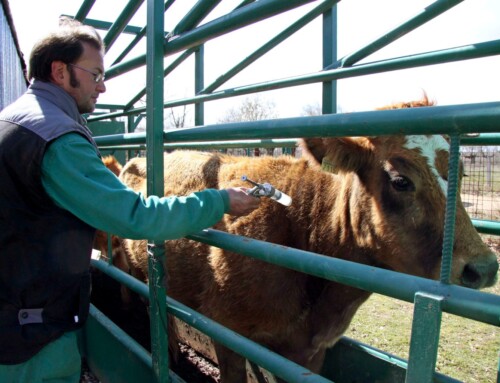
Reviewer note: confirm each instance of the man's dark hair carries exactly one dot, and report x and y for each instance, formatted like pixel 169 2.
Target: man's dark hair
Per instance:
pixel 65 44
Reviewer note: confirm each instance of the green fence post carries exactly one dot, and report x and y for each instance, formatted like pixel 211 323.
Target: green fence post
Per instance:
pixel 424 338
pixel 154 145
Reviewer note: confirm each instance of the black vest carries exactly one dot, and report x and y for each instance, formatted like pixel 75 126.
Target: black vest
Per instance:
pixel 44 250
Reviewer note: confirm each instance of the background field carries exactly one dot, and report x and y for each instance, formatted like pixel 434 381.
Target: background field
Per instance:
pixel 468 350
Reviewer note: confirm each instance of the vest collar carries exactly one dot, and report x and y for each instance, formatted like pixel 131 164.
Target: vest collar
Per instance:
pixel 57 96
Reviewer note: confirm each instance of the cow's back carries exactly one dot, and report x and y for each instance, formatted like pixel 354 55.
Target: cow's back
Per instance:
pixel 216 282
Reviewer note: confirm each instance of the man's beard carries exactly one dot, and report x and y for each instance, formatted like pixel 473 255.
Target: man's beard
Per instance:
pixel 73 82
pixel 72 78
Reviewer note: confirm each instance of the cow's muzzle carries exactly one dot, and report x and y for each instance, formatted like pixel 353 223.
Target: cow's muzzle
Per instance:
pixel 480 274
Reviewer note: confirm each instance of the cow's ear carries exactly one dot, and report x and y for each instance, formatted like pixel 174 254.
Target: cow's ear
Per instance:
pixel 337 154
pixel 313 150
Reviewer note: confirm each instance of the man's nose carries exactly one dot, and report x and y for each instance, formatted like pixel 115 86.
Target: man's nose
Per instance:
pixel 101 87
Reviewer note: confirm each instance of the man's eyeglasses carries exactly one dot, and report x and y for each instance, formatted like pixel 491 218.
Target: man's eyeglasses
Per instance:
pixel 98 77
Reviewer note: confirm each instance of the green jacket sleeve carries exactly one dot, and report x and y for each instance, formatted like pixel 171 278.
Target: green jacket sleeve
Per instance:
pixel 77 180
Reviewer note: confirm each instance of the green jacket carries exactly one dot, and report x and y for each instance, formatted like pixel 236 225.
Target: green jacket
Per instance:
pixel 77 180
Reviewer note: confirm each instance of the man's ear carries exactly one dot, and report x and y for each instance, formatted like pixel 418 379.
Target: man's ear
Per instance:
pixel 58 72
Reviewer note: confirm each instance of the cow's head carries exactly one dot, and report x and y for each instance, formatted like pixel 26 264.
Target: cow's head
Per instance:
pixel 396 200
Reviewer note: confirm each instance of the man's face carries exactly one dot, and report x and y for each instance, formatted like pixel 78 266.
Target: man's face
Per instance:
pixel 80 82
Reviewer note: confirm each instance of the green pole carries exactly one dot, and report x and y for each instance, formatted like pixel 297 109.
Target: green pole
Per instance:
pixel 154 158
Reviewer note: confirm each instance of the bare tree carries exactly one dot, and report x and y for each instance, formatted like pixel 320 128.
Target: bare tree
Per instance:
pixel 315 109
pixel 176 119
pixel 312 110
pixel 251 109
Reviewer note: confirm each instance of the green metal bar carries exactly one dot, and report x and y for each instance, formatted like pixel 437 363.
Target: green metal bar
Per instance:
pixel 121 22
pixel 427 14
pixel 130 46
pixel 271 361
pixel 154 142
pixel 487 139
pixel 106 25
pixel 451 208
pixel 462 301
pixel 424 342
pixel 431 120
pixel 330 35
pixel 132 124
pixel 199 83
pixel 349 347
pixel 466 52
pixel 178 61
pixel 275 363
pixel 140 34
pixel 486 226
pixel 279 38
pixel 195 15
pixel 243 3
pixel 84 9
pixel 283 143
pixel 471 118
pixel 110 106
pixel 237 19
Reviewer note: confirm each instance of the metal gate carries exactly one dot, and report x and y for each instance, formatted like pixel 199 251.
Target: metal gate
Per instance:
pixel 188 38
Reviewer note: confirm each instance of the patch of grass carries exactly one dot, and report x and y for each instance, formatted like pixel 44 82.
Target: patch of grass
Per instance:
pixel 468 350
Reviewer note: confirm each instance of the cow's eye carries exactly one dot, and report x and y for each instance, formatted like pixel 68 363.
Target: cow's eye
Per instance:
pixel 401 183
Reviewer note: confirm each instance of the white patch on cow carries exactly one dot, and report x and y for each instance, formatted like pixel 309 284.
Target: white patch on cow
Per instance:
pixel 429 145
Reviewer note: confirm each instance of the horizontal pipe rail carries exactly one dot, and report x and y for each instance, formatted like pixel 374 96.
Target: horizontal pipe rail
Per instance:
pixel 451 119
pixel 486 226
pixel 485 139
pixel 268 143
pixel 467 52
pixel 472 304
pixel 271 361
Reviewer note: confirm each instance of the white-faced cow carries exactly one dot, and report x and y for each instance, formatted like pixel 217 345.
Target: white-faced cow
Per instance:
pixel 382 205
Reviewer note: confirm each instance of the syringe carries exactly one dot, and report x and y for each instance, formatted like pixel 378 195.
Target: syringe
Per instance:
pixel 267 190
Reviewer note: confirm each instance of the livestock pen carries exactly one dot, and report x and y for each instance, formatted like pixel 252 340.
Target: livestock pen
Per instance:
pixel 113 355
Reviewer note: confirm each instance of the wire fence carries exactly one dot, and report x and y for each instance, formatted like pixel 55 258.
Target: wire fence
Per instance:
pixel 481 183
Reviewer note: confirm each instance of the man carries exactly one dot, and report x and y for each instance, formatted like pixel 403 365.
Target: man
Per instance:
pixel 55 193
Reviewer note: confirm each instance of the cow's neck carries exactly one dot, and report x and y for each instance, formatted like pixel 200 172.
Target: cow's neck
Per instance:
pixel 333 204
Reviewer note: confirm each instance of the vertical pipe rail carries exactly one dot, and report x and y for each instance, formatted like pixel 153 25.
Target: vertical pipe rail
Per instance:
pixel 451 208
pixel 424 338
pixel 330 56
pixel 154 145
pixel 199 83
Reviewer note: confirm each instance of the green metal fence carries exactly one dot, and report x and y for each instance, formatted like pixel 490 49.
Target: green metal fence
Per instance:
pixel 431 298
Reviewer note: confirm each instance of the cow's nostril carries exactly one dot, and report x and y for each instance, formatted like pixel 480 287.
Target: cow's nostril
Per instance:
pixel 471 276
pixel 479 275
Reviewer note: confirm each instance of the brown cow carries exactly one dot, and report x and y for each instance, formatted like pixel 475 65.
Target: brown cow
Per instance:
pixel 381 204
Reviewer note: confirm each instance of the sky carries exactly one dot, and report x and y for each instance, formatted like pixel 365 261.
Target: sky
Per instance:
pixel 360 22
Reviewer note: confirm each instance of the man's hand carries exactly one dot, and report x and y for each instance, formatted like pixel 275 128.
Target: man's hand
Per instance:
pixel 240 203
